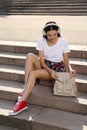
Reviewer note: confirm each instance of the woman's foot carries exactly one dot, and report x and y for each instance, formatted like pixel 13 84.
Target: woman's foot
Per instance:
pixel 19 107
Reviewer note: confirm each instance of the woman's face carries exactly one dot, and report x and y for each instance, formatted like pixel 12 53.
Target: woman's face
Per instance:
pixel 52 35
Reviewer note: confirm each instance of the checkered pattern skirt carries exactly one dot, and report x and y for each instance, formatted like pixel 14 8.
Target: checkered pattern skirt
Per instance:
pixel 57 66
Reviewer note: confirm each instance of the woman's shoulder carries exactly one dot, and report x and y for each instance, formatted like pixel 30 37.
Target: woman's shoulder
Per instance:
pixel 63 40
pixel 41 40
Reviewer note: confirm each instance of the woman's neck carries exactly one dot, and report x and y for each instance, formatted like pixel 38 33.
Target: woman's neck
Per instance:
pixel 52 42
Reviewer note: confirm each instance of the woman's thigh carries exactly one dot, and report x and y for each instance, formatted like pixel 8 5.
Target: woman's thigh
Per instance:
pixel 42 74
pixel 34 60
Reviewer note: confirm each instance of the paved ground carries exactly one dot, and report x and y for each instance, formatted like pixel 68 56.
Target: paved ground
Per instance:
pixel 29 28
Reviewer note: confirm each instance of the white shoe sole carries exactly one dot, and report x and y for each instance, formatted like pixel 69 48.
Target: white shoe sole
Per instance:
pixel 12 113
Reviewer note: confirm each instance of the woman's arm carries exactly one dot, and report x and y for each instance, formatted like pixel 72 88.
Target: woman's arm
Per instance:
pixel 51 72
pixel 67 66
pixel 43 63
pixel 66 62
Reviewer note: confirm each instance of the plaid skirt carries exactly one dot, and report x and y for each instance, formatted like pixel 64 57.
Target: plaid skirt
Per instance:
pixel 57 66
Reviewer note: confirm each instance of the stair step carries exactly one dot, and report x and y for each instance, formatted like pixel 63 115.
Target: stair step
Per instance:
pixel 7 128
pixel 43 96
pixel 41 118
pixel 18 47
pixel 47 7
pixel 60 10
pixel 40 4
pixel 77 51
pixel 16 73
pixel 48 2
pixel 39 13
pixel 19 59
pixel 12 58
pixel 80 65
pixel 12 72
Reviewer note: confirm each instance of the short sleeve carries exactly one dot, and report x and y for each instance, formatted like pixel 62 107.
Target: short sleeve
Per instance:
pixel 40 44
pixel 66 47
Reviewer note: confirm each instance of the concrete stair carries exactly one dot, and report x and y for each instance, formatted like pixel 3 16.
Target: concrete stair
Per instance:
pixel 45 110
pixel 38 7
pixel 7 128
pixel 41 118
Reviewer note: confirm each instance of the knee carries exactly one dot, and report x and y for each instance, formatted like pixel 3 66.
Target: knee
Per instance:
pixel 30 57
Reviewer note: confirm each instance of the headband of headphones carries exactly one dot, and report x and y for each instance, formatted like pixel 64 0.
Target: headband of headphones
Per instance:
pixel 50 24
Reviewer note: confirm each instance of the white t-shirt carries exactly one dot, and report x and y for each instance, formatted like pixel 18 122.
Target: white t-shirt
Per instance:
pixel 53 53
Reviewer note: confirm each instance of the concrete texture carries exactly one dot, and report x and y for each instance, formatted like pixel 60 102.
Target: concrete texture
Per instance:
pixel 7 128
pixel 29 28
pixel 42 118
pixel 45 113
pixel 43 96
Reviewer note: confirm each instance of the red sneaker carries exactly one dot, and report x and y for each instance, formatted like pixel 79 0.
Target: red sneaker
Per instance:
pixel 19 107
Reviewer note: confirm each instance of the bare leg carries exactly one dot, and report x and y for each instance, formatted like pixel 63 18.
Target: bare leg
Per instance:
pixel 31 61
pixel 41 73
pixel 31 76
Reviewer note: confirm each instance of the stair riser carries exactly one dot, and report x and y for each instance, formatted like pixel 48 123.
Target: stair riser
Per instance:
pixel 84 54
pixel 11 61
pixel 27 4
pixel 82 87
pixel 15 123
pixel 61 105
pixel 78 54
pixel 11 76
pixel 27 11
pixel 80 68
pixel 34 13
pixel 24 49
pixel 26 125
pixel 39 1
pixel 47 8
pixel 18 49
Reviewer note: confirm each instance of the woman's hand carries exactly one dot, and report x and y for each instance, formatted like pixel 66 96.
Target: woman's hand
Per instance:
pixel 72 73
pixel 54 75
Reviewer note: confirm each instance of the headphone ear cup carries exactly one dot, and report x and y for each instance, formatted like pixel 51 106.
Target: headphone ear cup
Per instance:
pixel 58 29
pixel 44 33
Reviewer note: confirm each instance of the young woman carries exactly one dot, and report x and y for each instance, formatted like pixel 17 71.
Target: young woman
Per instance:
pixel 53 56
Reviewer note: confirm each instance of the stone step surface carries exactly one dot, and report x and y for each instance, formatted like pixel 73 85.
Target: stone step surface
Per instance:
pixel 41 118
pixel 43 96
